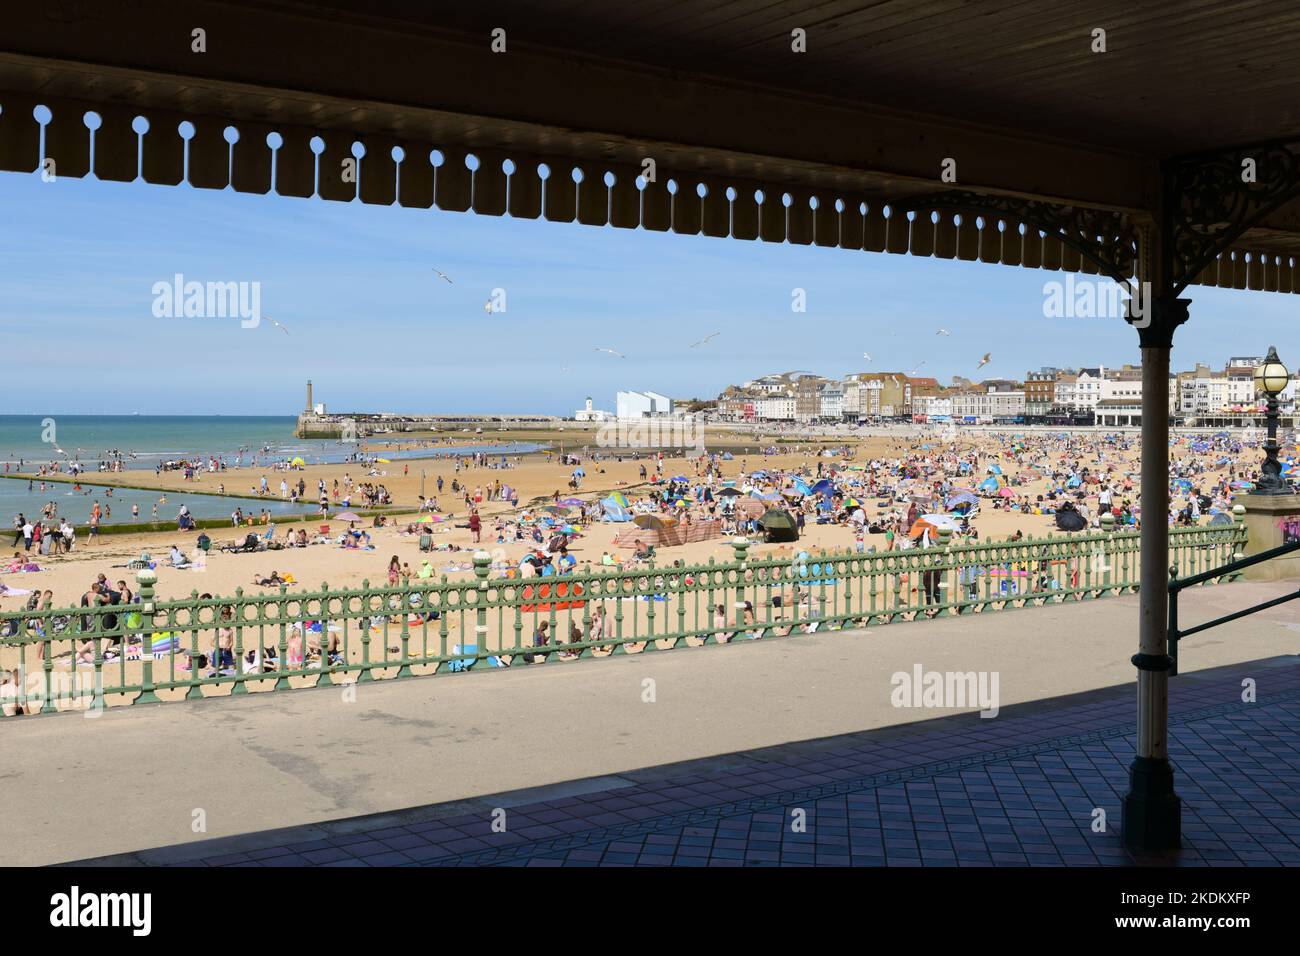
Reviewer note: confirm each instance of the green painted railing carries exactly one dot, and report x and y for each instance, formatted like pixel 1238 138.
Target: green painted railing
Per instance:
pixel 80 658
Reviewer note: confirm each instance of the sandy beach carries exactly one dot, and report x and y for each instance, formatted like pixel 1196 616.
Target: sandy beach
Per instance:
pixel 541 475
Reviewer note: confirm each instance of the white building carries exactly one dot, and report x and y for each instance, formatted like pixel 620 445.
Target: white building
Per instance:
pixel 775 408
pixel 642 405
pixel 589 414
pixel 932 405
pixel 1087 389
pixel 832 401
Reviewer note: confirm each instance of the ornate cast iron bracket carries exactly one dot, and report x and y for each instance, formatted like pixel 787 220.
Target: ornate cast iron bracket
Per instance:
pixel 1211 199
pixel 1106 239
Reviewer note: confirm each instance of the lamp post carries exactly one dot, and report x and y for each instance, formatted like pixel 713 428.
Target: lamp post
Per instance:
pixel 1271 378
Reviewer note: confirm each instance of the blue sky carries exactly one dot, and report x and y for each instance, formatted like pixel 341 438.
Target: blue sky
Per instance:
pixel 374 328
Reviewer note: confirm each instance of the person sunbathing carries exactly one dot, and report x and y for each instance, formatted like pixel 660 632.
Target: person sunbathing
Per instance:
pixel 273 581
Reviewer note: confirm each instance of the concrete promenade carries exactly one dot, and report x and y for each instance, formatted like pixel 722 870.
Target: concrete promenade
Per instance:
pixel 137 778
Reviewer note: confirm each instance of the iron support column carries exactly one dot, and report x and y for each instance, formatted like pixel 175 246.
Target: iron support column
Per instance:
pixel 1152 810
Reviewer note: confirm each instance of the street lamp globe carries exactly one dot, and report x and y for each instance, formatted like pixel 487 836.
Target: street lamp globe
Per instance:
pixel 1272 376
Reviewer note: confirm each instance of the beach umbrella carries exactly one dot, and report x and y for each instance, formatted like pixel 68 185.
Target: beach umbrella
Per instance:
pixel 779 525
pixel 961 498
pixel 347 516
pixel 1005 492
pixel 579 473
pixel 1221 518
pixel 941 521
pixel 383 461
pixel 823 487
pixel 298 463
pixel 557 510
pixel 729 493
pixel 572 502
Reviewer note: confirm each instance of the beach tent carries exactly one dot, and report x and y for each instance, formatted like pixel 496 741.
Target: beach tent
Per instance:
pixel 653 522
pixel 1221 518
pixel 1068 519
pixel 802 487
pixel 618 498
pixel 824 487
pixel 994 469
pixel 779 525
pixel 615 511
pixel 726 456
pixel 1073 482
pixel 989 485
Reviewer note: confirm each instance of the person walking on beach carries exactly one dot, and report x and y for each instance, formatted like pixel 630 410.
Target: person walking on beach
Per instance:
pixel 475 525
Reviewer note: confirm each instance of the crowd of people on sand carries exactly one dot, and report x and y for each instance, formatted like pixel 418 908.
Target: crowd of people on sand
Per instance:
pixel 901 497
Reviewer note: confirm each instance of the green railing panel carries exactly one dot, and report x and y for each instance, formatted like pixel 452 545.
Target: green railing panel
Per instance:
pixel 156 650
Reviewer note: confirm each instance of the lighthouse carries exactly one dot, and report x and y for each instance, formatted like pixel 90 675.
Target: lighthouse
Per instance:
pixel 308 409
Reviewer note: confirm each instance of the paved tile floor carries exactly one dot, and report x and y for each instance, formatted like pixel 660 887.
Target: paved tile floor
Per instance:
pixel 1020 789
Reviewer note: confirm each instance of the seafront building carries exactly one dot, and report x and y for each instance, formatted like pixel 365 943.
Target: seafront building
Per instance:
pixel 1106 397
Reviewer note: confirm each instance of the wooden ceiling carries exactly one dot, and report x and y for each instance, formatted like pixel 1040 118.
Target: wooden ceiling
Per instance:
pixel 1177 76
pixel 710 89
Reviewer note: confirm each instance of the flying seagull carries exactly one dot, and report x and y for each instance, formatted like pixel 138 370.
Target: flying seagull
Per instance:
pixel 705 339
pixel 487 306
pixel 984 361
pixel 276 324
pixel 867 356
pixel 611 352
pixel 443 275
pixel 943 332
